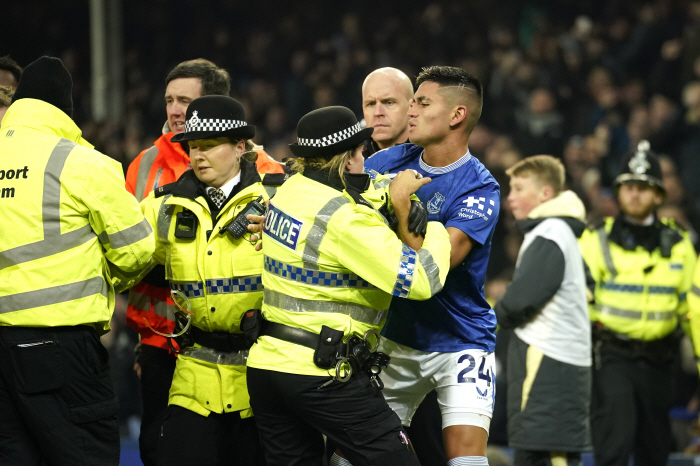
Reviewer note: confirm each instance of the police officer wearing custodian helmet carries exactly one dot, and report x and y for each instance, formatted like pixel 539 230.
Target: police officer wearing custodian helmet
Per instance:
pixel 212 267
pixel 331 268
pixel 642 266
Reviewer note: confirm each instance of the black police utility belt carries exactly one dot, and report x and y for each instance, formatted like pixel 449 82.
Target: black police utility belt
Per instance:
pixel 330 351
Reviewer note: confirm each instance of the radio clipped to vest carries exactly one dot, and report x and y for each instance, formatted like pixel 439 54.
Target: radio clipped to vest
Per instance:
pixel 239 225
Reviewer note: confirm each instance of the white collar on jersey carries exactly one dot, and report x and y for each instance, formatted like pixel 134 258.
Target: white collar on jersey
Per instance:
pixel 440 170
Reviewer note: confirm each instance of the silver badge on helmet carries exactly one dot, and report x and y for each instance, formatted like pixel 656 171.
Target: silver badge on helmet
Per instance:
pixel 638 163
pixel 194 120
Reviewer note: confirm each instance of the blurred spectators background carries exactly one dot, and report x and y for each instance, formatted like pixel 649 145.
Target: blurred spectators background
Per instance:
pixel 583 80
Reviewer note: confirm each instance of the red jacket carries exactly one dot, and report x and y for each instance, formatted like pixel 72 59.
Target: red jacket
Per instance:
pixel 161 164
pixel 158 165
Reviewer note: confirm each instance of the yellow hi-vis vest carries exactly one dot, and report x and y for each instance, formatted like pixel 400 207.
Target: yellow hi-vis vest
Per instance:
pixel 68 225
pixel 694 310
pixel 332 261
pixel 638 294
pixel 220 276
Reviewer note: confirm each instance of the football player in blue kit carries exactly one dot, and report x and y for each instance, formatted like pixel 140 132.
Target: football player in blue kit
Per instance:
pixel 447 342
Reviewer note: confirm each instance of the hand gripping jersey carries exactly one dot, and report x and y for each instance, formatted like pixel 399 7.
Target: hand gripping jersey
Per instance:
pixel 462 195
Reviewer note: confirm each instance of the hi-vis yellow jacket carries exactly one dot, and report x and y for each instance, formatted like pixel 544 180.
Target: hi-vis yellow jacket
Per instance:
pixel 331 260
pixel 68 225
pixel 694 310
pixel 220 276
pixel 639 294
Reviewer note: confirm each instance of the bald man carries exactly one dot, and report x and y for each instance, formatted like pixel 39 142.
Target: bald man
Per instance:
pixel 386 96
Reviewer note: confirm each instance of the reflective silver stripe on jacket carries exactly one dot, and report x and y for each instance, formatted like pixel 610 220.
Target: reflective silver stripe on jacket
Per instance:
pixel 53 295
pixel 165 215
pixel 316 277
pixel 234 358
pixel 431 270
pixel 144 170
pixel 381 183
pixel 318 231
pixel 271 191
pixel 143 302
pixel 695 290
pixel 54 242
pixel 605 248
pixel 356 312
pixel 636 315
pixel 404 278
pixel 128 236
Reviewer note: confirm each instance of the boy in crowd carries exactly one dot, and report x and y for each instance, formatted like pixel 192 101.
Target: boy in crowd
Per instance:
pixel 549 357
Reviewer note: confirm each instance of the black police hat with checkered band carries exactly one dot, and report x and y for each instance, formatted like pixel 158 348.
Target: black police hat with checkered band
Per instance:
pixel 215 116
pixel 327 132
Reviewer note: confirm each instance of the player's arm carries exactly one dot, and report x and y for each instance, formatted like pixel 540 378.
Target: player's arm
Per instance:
pixel 461 244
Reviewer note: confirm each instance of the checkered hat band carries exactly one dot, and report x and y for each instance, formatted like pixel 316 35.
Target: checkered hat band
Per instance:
pixel 334 138
pixel 213 124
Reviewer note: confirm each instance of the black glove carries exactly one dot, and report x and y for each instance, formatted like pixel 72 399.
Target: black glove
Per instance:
pixel 389 216
pixel 418 218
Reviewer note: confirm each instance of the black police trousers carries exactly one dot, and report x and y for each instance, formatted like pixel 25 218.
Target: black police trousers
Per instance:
pixel 292 411
pixel 157 369
pixel 425 433
pixel 57 399
pixel 630 406
pixel 190 439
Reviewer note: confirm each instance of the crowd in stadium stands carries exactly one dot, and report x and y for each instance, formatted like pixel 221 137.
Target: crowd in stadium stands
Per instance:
pixel 584 81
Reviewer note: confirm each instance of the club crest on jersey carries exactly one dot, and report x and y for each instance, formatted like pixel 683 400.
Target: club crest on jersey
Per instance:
pixel 282 227
pixel 435 204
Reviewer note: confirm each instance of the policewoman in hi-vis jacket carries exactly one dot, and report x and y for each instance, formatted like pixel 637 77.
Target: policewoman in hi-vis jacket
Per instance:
pixel 214 272
pixel 332 264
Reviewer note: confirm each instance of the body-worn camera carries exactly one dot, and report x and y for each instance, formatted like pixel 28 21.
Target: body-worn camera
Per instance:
pixel 239 225
pixel 186 225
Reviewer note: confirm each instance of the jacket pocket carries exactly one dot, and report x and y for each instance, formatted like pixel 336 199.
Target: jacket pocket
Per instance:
pixel 39 366
pixel 94 411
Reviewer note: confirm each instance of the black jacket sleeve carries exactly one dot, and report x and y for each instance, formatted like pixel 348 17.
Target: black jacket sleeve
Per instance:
pixel 536 280
pixel 156 277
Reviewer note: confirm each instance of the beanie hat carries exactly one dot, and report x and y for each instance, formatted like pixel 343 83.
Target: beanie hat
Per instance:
pixel 48 80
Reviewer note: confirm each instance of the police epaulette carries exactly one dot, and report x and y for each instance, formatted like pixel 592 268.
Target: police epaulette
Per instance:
pixel 163 190
pixel 274 179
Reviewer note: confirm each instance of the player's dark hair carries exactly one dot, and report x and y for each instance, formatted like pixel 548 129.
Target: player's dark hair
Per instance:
pixel 8 64
pixel 451 76
pixel 215 80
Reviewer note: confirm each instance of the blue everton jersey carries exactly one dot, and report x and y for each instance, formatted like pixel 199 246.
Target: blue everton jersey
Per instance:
pixel 463 195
